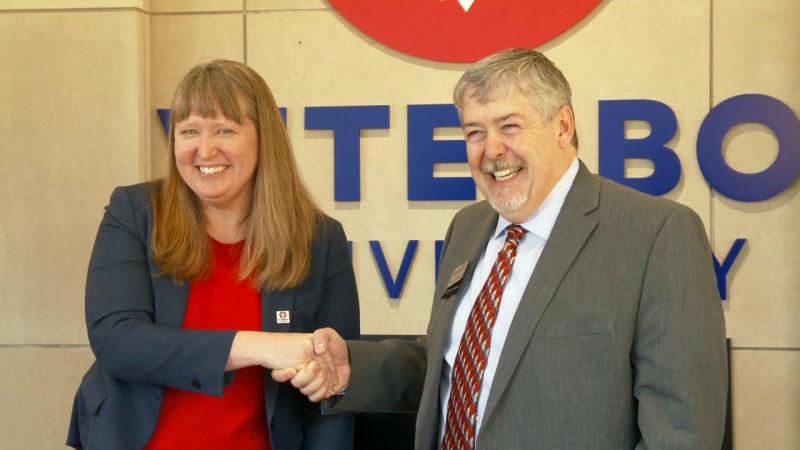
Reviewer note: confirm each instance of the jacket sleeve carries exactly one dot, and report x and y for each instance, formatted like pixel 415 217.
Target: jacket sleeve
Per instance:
pixel 339 310
pixel 386 376
pixel 120 310
pixel 679 358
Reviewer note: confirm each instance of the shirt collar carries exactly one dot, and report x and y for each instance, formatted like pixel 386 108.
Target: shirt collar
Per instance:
pixel 542 221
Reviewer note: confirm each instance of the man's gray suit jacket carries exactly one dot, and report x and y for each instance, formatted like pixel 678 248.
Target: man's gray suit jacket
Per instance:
pixel 618 342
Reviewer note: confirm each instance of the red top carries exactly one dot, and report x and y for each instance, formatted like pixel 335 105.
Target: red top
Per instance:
pixel 237 420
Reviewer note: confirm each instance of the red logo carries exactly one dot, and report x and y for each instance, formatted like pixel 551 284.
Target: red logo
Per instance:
pixel 462 30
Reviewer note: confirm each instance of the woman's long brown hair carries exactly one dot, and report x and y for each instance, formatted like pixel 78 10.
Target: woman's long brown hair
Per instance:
pixel 279 228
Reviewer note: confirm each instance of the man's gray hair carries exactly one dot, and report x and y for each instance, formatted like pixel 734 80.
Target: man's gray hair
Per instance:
pixel 528 71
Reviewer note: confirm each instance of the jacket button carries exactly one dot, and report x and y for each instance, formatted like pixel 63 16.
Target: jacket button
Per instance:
pixel 196 383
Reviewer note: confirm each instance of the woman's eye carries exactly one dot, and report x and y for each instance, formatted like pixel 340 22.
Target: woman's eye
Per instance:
pixel 187 132
pixel 225 131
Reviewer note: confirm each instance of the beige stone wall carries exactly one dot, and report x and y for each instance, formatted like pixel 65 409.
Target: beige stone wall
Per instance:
pixel 74 123
pixel 81 80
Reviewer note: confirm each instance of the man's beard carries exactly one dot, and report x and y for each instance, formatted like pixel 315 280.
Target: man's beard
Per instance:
pixel 505 205
pixel 499 198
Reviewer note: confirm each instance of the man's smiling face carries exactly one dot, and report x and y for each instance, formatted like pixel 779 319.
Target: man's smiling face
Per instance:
pixel 515 157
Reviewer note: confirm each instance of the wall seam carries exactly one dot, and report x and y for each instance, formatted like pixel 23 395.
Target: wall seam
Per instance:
pixel 773 349
pixel 71 10
pixel 195 13
pixel 158 13
pixel 712 235
pixel 148 144
pixel 14 346
pixel 244 31
pixel 139 10
pixel 6 346
pixel 268 11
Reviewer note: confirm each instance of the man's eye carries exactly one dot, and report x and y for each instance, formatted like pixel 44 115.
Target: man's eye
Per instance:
pixel 510 126
pixel 473 135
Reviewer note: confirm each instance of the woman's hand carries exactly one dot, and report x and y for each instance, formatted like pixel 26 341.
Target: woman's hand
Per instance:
pixel 313 381
pixel 291 351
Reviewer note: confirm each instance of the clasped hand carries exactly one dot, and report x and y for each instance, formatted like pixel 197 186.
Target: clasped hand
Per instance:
pixel 326 371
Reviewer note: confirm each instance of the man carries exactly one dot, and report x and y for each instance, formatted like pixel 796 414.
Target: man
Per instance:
pixel 594 325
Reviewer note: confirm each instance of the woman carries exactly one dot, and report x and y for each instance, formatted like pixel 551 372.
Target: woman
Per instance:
pixel 200 276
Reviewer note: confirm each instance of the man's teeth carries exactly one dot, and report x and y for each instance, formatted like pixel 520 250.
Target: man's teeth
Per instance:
pixel 505 174
pixel 212 170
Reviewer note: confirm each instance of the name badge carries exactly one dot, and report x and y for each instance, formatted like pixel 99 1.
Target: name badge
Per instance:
pixel 454 283
pixel 282 316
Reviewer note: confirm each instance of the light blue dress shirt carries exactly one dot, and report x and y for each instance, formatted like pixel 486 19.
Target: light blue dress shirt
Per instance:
pixel 529 249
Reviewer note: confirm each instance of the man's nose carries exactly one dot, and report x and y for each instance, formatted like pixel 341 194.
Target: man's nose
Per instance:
pixel 495 148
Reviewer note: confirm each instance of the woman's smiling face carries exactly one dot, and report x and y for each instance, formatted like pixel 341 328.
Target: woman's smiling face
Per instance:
pixel 217 158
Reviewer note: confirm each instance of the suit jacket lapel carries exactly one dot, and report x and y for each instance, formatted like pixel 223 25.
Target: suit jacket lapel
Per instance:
pixel 569 234
pixel 467 244
pixel 273 303
pixel 467 248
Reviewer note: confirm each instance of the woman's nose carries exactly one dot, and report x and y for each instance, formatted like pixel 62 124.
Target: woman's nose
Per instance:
pixel 206 147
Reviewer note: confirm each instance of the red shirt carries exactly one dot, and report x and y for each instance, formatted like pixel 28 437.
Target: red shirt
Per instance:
pixel 237 420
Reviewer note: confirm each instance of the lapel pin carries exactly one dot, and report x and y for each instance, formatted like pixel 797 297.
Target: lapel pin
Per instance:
pixel 282 316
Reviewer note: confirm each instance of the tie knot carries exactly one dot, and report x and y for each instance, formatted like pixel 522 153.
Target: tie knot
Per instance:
pixel 514 233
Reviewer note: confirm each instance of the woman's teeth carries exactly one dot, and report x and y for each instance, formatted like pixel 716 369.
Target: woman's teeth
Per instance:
pixel 212 170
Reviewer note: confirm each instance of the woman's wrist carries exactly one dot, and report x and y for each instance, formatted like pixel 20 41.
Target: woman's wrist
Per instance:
pixel 245 350
pixel 270 350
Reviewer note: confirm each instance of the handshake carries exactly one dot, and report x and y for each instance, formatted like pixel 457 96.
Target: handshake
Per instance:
pixel 317 364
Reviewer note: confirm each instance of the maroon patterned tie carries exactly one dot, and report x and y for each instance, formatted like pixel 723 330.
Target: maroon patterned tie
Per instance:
pixel 473 351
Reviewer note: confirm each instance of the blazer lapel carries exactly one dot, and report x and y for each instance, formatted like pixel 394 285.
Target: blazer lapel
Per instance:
pixel 465 245
pixel 277 309
pixel 570 232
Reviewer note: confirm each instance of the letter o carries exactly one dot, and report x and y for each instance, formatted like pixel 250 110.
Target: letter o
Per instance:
pixel 745 108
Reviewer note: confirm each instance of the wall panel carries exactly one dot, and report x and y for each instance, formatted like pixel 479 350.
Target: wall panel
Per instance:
pixel 38 388
pixel 75 132
pixel 766 399
pixel 759 56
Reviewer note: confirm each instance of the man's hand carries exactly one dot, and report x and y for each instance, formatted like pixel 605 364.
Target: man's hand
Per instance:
pixel 331 356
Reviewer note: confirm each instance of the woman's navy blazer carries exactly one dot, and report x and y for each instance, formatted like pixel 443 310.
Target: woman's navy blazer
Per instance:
pixel 134 322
